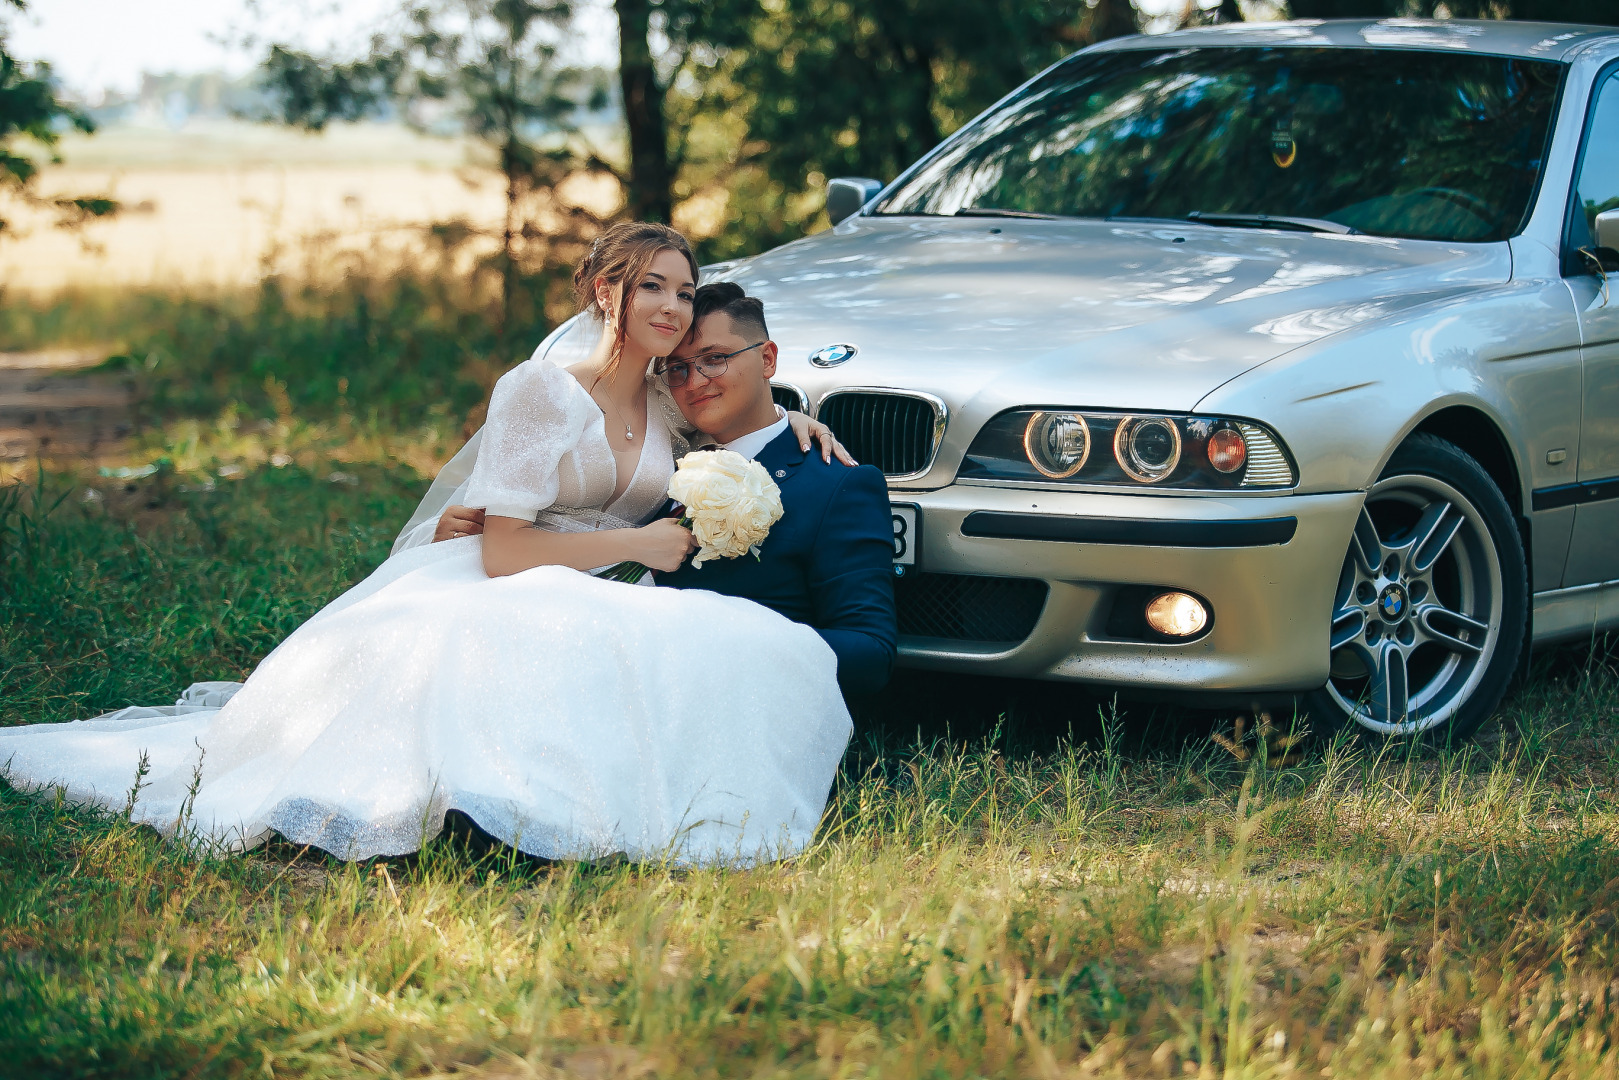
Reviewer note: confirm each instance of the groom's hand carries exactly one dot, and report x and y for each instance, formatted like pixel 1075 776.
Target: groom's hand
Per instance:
pixel 458 521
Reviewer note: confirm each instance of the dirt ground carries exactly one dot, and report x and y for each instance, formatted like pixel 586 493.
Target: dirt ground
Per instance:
pixel 51 406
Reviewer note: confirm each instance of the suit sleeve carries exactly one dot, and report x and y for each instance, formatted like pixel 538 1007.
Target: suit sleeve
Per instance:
pixel 852 580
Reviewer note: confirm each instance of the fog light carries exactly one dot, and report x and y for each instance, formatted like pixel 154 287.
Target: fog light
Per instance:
pixel 1177 614
pixel 1228 451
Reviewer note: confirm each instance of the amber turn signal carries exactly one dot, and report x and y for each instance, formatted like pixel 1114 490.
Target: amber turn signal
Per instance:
pixel 1228 450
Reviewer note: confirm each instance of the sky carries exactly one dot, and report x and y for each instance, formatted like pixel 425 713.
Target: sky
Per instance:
pixel 106 44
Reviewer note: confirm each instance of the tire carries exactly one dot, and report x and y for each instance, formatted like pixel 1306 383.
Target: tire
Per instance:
pixel 1431 611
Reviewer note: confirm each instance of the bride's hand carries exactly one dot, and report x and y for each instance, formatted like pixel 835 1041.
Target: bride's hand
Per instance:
pixel 458 521
pixel 665 544
pixel 809 430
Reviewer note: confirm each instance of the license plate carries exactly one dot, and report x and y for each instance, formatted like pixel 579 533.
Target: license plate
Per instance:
pixel 907 534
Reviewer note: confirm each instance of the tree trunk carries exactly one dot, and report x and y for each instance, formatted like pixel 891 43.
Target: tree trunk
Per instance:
pixel 1111 19
pixel 508 237
pixel 650 178
pixel 914 57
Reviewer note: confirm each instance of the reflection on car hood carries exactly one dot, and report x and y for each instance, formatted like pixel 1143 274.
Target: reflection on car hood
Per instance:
pixel 1097 313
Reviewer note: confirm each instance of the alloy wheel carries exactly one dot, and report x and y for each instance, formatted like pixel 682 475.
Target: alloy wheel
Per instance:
pixel 1417 616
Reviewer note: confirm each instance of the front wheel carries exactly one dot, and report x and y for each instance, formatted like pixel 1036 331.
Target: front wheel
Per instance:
pixel 1429 618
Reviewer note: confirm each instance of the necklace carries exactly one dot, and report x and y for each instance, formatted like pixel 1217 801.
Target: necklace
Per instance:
pixel 629 435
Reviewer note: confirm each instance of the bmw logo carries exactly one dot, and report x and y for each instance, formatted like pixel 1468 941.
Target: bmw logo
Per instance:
pixel 832 355
pixel 1393 602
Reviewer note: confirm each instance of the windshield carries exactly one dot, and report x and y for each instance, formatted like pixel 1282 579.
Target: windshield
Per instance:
pixel 1434 146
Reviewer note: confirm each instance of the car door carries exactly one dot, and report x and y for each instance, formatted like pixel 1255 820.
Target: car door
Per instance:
pixel 1594 552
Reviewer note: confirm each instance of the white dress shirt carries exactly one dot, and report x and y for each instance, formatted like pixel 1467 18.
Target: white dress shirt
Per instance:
pixel 750 444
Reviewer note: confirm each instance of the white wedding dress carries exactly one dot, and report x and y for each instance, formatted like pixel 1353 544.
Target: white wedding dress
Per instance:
pixel 570 717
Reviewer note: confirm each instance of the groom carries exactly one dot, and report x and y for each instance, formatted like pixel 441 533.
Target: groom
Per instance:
pixel 829 561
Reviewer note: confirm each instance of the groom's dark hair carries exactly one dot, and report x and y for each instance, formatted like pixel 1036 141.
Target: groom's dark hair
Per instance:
pixel 727 298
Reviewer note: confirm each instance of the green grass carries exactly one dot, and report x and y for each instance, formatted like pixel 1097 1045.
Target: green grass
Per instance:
pixel 401 348
pixel 120 592
pixel 1012 888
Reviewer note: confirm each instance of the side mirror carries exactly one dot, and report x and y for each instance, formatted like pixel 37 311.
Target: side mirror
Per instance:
pixel 1607 229
pixel 847 194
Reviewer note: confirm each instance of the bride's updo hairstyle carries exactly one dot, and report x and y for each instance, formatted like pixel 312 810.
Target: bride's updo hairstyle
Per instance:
pixel 621 256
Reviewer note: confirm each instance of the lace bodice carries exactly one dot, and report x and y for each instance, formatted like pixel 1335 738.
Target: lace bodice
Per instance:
pixel 545 448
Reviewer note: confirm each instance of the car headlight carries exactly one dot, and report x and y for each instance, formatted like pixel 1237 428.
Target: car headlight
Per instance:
pixel 1166 450
pixel 1147 448
pixel 1057 443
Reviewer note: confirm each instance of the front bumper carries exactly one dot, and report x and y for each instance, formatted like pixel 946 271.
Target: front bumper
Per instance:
pixel 1270 588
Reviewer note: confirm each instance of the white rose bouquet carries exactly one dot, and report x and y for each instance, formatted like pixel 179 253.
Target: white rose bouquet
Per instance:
pixel 729 503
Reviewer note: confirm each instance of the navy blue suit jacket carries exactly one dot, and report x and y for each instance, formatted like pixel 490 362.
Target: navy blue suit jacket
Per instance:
pixel 828 562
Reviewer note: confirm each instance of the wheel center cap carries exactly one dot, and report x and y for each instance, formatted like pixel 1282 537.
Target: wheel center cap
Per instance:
pixel 1392 603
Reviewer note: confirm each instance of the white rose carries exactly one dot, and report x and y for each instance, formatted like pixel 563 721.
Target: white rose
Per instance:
pixel 731 501
pixel 754 518
pixel 708 478
pixel 709 491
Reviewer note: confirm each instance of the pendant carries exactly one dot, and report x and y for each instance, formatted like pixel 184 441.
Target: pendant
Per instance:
pixel 629 436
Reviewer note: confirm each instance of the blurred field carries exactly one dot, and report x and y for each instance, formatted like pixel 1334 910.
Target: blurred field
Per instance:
pixel 222 203
pixel 257 274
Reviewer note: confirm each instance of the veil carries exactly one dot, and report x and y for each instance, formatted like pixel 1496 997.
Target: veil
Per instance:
pixel 570 343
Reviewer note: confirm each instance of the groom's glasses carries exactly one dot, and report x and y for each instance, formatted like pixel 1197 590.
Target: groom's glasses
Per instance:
pixel 675 373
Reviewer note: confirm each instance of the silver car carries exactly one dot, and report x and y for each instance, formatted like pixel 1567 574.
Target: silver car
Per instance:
pixel 1271 359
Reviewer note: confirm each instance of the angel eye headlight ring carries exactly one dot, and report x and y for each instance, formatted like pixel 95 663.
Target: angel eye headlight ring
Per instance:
pixel 1057 443
pixel 1147 448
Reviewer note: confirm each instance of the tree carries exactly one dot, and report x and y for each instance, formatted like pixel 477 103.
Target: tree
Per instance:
pixel 31 112
pixel 809 89
pixel 494 63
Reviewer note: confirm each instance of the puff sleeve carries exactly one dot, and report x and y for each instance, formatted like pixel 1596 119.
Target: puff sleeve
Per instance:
pixel 537 414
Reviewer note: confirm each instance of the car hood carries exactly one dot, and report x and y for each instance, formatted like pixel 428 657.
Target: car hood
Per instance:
pixel 1106 314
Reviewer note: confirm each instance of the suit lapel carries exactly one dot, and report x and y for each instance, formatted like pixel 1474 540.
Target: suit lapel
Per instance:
pixel 781 456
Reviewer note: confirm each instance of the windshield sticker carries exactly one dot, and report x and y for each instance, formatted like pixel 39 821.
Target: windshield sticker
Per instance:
pixel 1283 150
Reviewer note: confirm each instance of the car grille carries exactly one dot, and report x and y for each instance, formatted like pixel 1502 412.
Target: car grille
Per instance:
pixel 962 607
pixel 895 432
pixel 790 398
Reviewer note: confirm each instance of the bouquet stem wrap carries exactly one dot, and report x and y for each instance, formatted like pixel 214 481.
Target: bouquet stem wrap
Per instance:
pixel 632 572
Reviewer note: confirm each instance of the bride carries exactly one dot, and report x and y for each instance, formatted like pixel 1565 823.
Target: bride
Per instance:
pixel 569 716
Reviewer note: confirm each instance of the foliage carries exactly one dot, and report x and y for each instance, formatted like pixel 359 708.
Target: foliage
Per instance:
pixel 823 88
pixel 31 112
pixel 1111 902
pixel 494 64
pixel 752 103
